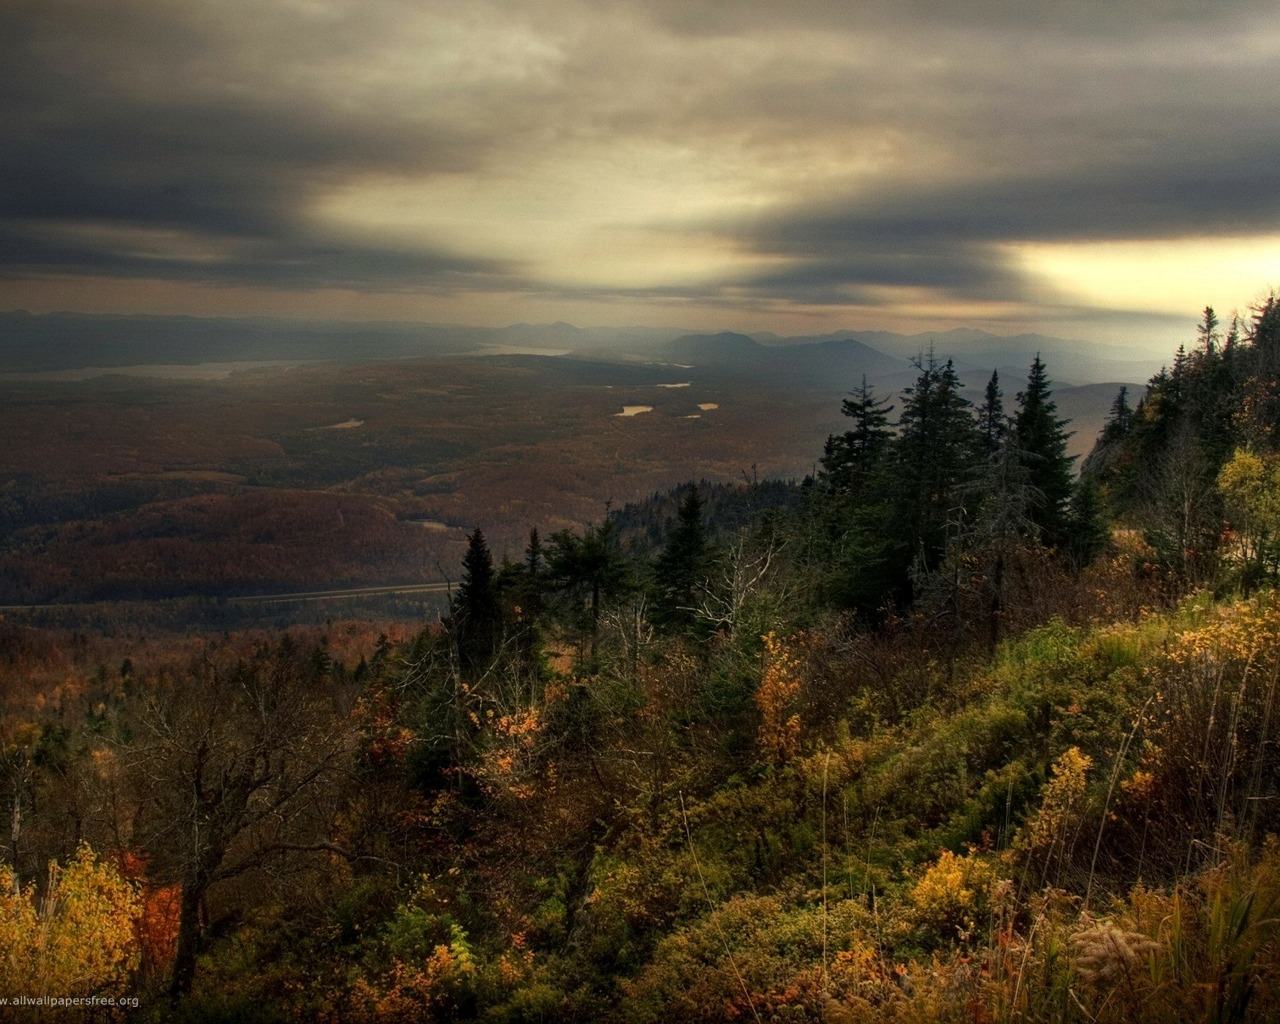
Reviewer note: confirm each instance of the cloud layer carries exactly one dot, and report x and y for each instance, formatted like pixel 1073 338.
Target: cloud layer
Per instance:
pixel 816 158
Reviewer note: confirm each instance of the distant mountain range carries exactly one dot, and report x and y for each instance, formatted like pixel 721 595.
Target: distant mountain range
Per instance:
pixel 841 359
pixel 1085 375
pixel 60 341
pixel 1069 361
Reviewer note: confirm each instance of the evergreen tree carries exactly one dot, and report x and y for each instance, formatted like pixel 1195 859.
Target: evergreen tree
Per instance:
pixel 1264 334
pixel 1120 418
pixel 936 452
pixel 1043 446
pixel 1154 424
pixel 991 418
pixel 848 459
pixel 1208 331
pixel 532 599
pixel 1001 525
pixel 475 613
pixel 533 553
pixel 1262 401
pixel 1232 341
pixel 1178 376
pixel 1110 464
pixel 588 569
pixel 682 565
pixel 521 591
pixel 1086 524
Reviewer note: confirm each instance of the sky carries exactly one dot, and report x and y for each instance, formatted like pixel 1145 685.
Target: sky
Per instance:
pixel 1100 169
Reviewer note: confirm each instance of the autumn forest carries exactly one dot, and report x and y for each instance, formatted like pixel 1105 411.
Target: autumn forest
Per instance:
pixel 926 717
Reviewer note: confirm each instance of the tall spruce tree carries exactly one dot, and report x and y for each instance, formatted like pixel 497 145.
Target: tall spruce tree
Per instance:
pixel 1088 534
pixel 1264 334
pixel 521 588
pixel 936 452
pixel 1001 524
pixel 1120 418
pixel 1207 332
pixel 849 459
pixel 681 567
pixel 1109 466
pixel 588 569
pixel 475 612
pixel 991 417
pixel 1042 443
pixel 1263 387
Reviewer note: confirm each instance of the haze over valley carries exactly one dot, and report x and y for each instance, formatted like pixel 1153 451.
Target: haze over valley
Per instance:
pixel 166 457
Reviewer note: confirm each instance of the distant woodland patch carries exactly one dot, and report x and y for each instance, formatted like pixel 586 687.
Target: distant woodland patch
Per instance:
pixel 122 488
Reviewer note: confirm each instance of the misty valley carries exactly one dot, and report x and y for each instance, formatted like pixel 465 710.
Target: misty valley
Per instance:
pixel 142 482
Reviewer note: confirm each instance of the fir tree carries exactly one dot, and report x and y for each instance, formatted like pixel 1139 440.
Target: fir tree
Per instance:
pixel 1264 333
pixel 1043 446
pixel 936 452
pixel 991 418
pixel 1208 331
pixel 475 614
pixel 532 599
pixel 682 565
pixel 588 569
pixel 1087 527
pixel 1120 418
pixel 533 553
pixel 848 459
pixel 1263 401
pixel 1002 524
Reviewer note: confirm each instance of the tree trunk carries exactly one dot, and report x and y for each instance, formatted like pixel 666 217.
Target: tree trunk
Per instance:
pixel 14 832
pixel 184 961
pixel 996 605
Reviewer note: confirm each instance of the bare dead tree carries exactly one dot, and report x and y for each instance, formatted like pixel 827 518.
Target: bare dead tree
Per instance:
pixel 231 766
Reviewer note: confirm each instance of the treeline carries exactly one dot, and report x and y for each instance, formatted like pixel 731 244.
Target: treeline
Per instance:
pixel 943 510
pixel 1196 463
pixel 935 509
pixel 243 541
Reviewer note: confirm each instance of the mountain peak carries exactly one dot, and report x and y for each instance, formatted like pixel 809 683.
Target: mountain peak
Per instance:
pixel 714 348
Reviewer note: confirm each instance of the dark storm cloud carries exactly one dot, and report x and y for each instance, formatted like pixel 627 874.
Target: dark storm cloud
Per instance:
pixel 288 262
pixel 1051 130
pixel 128 115
pixel 1048 128
pixel 960 269
pixel 1162 200
pixel 954 238
pixel 1078 18
pixel 854 146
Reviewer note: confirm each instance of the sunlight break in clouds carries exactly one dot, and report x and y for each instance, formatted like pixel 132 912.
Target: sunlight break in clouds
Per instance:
pixel 1164 276
pixel 625 216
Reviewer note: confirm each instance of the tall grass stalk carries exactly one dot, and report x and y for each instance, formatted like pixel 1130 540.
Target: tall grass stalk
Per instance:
pixel 1106 804
pixel 1255 783
pixel 706 892
pixel 826 761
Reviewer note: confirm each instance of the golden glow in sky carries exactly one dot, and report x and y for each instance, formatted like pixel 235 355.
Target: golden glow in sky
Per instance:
pixel 1164 276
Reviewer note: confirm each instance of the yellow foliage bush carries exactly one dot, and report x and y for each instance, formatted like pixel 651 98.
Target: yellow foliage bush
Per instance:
pixel 777 698
pixel 81 940
pixel 1060 802
pixel 952 897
